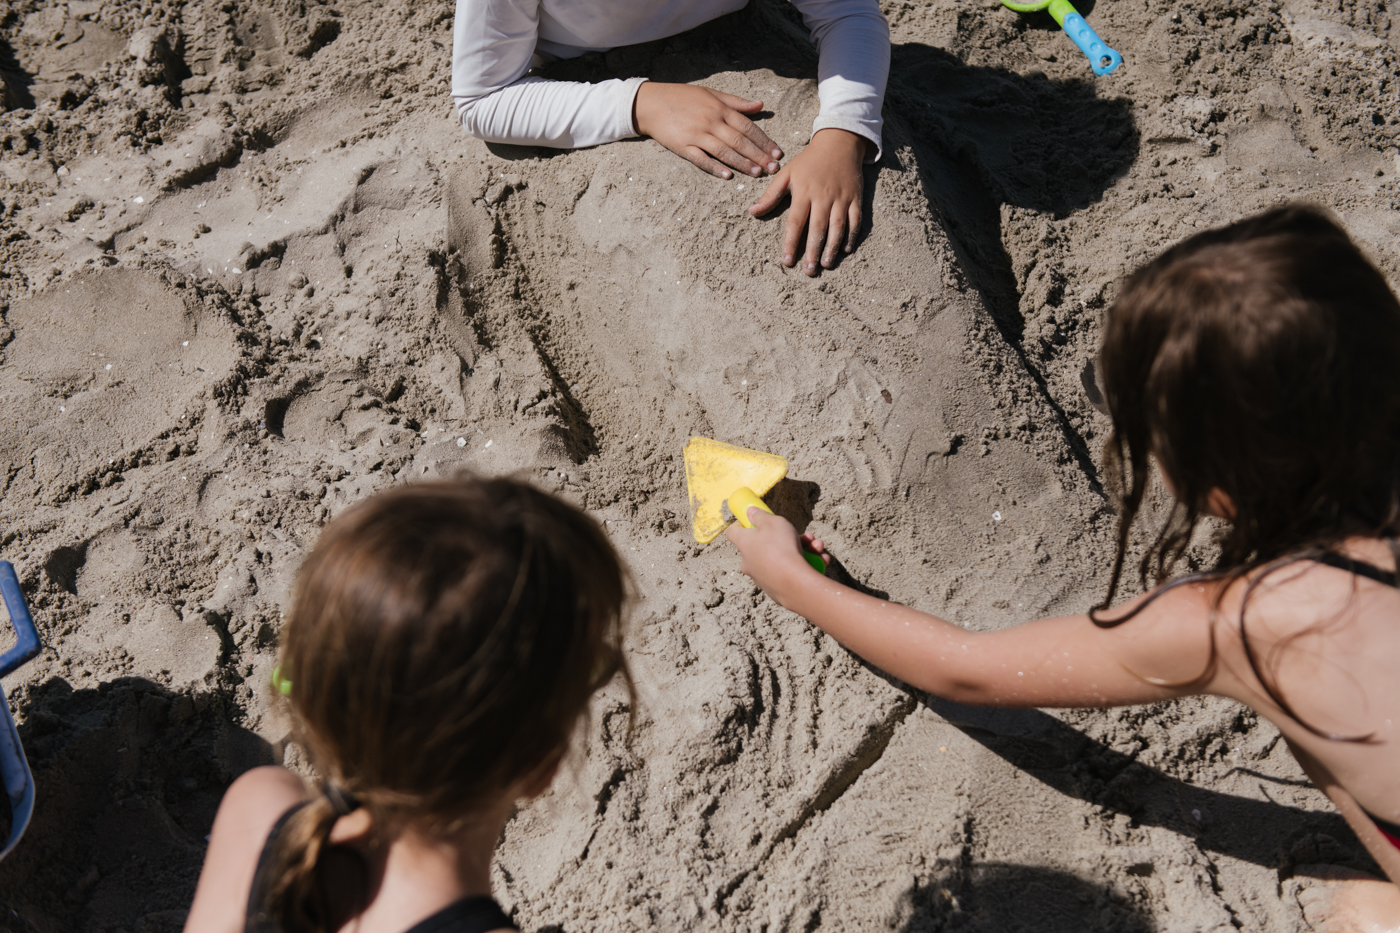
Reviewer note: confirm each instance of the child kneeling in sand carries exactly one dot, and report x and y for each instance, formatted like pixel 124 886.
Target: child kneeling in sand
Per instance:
pixel 497 42
pixel 445 639
pixel 1259 366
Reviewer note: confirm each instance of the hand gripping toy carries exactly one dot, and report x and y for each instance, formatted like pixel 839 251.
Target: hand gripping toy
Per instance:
pixel 724 481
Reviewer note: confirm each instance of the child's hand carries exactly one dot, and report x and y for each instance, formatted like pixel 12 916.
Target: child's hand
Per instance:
pixel 772 552
pixel 703 126
pixel 826 184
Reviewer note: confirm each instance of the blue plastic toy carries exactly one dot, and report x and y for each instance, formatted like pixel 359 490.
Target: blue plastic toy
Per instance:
pixel 1101 58
pixel 14 767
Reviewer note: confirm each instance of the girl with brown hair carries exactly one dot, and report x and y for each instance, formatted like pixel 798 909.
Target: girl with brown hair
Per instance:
pixel 1259 366
pixel 443 644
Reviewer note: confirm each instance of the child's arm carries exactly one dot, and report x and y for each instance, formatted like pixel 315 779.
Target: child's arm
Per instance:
pixel 825 181
pixel 493 46
pixel 1164 652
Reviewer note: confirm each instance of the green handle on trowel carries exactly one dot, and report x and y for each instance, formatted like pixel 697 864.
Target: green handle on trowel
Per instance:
pixel 1101 58
pixel 1057 8
pixel 743 499
pixel 281 684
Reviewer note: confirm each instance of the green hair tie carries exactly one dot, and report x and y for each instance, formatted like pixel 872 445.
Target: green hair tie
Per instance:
pixel 281 684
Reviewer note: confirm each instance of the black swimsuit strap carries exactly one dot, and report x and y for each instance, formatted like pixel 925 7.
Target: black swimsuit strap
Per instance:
pixel 479 914
pixel 1358 567
pixel 258 920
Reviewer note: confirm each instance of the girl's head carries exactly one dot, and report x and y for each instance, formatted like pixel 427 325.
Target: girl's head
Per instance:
pixel 443 643
pixel 1258 364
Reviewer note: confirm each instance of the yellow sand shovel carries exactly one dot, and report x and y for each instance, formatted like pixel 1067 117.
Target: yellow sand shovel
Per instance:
pixel 725 481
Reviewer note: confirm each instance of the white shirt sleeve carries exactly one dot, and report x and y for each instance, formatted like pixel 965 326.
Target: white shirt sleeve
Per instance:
pixel 493 45
pixel 853 49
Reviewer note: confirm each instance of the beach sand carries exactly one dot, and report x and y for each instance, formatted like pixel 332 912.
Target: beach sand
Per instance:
pixel 253 271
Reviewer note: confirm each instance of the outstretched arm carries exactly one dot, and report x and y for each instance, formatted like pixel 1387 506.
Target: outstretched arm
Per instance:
pixel 1164 652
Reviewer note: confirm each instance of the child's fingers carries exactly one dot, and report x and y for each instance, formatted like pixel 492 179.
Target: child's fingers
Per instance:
pixel 729 156
pixel 741 104
pixel 792 230
pixel 736 533
pixel 761 519
pixel 731 145
pixel 701 159
pixel 774 193
pixel 835 235
pixel 853 230
pixel 816 235
pixel 768 151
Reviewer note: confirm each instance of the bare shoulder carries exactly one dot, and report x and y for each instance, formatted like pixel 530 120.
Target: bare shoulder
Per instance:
pixel 250 808
pixel 261 796
pixel 1305 598
pixel 1319 637
pixel 1167 637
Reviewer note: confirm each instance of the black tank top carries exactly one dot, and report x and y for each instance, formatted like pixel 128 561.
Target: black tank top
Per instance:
pixel 469 915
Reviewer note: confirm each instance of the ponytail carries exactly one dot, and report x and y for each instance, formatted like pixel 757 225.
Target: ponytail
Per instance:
pixel 296 899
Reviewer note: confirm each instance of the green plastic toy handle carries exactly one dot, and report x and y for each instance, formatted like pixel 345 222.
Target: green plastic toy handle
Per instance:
pixel 1058 8
pixel 1061 9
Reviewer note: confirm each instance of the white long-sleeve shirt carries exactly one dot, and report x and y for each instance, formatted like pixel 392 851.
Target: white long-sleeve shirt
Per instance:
pixel 496 42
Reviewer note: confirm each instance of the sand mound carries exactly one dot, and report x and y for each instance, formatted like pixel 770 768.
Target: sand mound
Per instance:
pixel 308 285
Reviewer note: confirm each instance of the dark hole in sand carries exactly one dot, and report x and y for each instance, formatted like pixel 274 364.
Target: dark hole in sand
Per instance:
pixel 62 566
pixel 275 414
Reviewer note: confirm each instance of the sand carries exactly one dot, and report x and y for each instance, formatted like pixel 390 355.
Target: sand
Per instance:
pixel 253 272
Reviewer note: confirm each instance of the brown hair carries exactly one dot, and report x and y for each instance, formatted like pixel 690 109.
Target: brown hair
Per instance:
pixel 1260 359
pixel 444 641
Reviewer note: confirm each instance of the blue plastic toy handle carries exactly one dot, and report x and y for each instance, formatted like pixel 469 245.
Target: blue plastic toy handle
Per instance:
pixel 26 635
pixel 1101 58
pixel 15 776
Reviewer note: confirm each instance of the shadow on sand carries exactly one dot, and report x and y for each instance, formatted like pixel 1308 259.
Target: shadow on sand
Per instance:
pixel 1257 831
pixel 128 777
pixel 15 82
pixel 997 897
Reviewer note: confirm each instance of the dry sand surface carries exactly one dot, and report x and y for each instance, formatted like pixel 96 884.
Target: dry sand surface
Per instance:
pixel 253 272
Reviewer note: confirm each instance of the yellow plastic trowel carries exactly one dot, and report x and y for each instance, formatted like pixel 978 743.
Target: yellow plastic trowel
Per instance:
pixel 724 481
